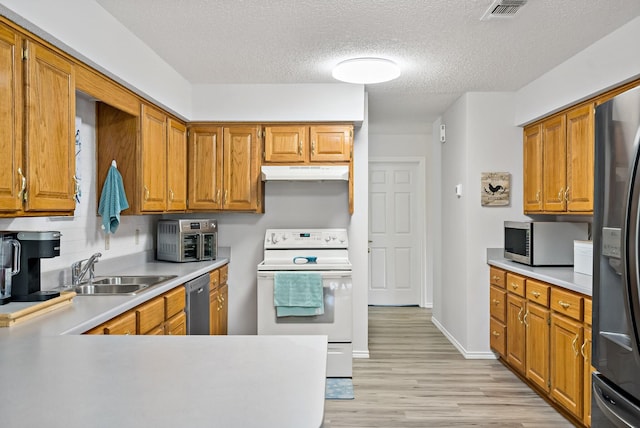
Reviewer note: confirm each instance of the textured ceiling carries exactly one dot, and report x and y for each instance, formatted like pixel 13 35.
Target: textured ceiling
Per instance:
pixel 442 46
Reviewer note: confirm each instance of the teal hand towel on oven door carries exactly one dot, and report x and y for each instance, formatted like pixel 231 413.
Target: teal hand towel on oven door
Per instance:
pixel 298 294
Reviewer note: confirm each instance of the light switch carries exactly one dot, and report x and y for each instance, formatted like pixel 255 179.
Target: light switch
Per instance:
pixel 458 190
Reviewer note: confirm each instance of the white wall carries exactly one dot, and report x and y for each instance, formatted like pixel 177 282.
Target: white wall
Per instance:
pixel 605 64
pixel 82 234
pixel 277 103
pixel 87 31
pixel 480 138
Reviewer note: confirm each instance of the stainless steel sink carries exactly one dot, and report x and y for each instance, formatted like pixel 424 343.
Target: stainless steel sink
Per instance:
pixel 116 285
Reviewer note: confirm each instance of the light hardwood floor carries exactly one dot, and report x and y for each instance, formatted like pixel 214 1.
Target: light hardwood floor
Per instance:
pixel 416 378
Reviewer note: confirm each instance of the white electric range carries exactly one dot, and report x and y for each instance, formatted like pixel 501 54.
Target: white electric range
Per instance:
pixel 322 251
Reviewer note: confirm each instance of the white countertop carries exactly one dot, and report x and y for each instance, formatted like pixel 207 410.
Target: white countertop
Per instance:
pixel 86 312
pixel 155 381
pixel 563 277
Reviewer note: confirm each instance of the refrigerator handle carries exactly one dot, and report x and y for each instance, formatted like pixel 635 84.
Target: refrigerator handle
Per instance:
pixel 630 250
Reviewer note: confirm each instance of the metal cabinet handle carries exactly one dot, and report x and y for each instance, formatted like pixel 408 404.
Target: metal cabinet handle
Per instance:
pixel 217 200
pixel 494 277
pixel 561 194
pixel 300 147
pixel 146 193
pixel 496 302
pixel 21 193
pixel 170 195
pixel 313 147
pixel 514 285
pixel 566 195
pixel 584 357
pixel 573 345
pixel 565 305
pixel 535 294
pixel 226 193
pixel 520 315
pixel 495 333
pixel 538 196
pixel 524 319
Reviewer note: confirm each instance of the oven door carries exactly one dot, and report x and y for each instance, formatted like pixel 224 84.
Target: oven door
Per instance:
pixel 336 322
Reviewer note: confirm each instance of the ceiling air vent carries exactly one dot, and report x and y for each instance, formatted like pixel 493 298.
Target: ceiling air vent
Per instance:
pixel 503 9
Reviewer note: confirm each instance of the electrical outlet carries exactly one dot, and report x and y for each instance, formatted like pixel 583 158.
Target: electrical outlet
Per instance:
pixel 107 240
pixel 137 236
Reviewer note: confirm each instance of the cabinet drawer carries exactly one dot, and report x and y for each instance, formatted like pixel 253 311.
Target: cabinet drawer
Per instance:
pixel 497 276
pixel 124 324
pixel 588 310
pixel 516 284
pixel 150 315
pixel 174 301
pixel 498 336
pixel 566 303
pixel 538 292
pixel 224 274
pixel 158 331
pixel 214 279
pixel 497 300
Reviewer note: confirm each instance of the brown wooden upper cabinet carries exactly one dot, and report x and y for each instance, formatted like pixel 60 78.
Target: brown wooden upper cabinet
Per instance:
pixel 10 121
pixel 224 168
pixel 303 144
pixel 558 163
pixel 37 94
pixel 153 166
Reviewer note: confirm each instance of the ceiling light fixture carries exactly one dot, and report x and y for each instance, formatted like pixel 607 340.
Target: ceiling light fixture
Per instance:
pixel 366 70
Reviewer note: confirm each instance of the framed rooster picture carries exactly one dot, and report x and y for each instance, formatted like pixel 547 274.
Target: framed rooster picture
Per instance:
pixel 495 190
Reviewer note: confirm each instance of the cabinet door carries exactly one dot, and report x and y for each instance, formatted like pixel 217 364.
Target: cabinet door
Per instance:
pixel 205 168
pixel 516 334
pixel 10 120
pixel 286 144
pixel 566 363
pixel 214 308
pixel 580 142
pixel 331 143
pixel 554 163
pixel 532 152
pixel 241 168
pixel 585 351
pixel 223 294
pixel 154 160
pixel 176 166
pixel 537 322
pixel 177 325
pixel 50 130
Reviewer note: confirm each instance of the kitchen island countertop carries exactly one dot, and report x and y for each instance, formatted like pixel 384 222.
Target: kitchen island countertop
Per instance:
pixel 154 381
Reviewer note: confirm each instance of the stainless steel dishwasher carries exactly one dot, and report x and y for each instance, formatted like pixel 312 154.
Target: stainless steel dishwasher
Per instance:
pixel 198 305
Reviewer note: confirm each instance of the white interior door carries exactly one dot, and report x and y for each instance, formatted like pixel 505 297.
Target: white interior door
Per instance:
pixel 395 233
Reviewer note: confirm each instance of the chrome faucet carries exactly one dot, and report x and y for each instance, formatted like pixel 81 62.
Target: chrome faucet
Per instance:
pixel 79 271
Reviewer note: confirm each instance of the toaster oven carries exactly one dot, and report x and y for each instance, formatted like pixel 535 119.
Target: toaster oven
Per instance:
pixel 187 240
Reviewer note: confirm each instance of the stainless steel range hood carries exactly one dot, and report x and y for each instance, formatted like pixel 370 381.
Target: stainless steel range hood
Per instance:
pixel 305 172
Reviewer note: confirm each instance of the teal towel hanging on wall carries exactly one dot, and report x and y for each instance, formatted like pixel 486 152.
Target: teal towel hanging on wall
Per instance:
pixel 113 200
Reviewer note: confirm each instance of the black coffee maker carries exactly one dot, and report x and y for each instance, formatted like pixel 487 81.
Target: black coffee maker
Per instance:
pixel 34 246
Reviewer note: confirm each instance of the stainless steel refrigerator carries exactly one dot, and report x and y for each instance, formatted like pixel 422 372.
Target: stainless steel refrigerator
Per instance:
pixel 616 270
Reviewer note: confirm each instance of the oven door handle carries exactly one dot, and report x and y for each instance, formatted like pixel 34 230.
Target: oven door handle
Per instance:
pixel 305 259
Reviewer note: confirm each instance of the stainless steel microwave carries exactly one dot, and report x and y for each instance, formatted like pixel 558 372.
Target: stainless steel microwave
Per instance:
pixel 188 240
pixel 537 243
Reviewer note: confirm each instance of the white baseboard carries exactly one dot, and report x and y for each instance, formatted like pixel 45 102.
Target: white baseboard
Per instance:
pixel 361 354
pixel 468 355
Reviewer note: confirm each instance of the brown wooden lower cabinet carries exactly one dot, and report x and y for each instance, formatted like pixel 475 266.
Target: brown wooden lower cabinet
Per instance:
pixel 516 332
pixel 161 315
pixel 546 340
pixel 537 320
pixel 218 295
